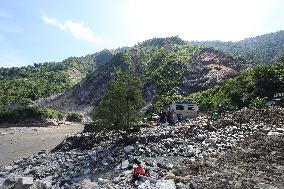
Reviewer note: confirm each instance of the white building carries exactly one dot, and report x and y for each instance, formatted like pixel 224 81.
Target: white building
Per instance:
pixel 183 110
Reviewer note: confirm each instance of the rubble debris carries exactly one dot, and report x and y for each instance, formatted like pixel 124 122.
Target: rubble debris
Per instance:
pixel 243 151
pixel 24 183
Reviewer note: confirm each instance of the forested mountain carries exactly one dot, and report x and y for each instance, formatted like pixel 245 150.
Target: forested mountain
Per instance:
pixel 261 49
pixel 160 42
pixel 30 83
pixel 165 66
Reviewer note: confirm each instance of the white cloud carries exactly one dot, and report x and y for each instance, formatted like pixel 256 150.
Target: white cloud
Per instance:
pixel 49 20
pixel 77 29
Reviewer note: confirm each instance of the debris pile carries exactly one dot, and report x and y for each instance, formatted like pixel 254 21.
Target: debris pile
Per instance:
pixel 243 149
pixel 256 163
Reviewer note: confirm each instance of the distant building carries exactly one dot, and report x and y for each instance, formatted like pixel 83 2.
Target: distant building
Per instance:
pixel 277 100
pixel 182 110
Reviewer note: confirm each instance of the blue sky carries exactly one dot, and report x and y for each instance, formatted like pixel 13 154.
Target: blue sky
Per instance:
pixel 34 31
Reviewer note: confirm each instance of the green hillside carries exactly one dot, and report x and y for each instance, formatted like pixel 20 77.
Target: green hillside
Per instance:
pixel 261 49
pixel 161 42
pixel 165 67
pixel 30 83
pixel 160 62
pixel 252 88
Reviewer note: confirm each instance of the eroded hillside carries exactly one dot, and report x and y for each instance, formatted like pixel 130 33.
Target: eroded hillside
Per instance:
pixel 172 69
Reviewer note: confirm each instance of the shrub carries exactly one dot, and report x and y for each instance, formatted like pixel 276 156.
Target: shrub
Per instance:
pixel 29 114
pixel 74 117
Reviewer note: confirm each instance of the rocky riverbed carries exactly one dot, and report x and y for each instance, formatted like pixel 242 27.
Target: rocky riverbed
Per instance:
pixel 244 149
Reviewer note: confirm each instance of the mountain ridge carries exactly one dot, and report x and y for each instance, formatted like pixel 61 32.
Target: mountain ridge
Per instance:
pixel 206 67
pixel 62 76
pixel 264 48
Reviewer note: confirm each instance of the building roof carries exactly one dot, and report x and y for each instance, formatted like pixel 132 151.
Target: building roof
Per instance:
pixel 184 102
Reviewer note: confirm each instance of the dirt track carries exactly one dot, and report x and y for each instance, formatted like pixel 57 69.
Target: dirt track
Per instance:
pixel 20 142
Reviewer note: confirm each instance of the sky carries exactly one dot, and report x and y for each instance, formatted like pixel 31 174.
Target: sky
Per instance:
pixel 37 31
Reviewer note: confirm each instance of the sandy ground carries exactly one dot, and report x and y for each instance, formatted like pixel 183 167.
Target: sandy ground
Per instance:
pixel 20 142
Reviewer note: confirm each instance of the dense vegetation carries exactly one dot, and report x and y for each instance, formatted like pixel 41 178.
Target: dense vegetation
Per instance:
pixel 74 117
pixel 261 49
pixel 251 89
pixel 120 107
pixel 24 84
pixel 30 83
pixel 160 62
pixel 27 115
pixel 162 42
pixel 165 67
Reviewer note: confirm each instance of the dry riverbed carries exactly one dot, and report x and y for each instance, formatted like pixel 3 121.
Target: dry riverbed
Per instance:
pixel 20 142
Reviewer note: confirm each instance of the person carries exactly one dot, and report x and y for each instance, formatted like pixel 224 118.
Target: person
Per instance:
pixel 139 171
pixel 174 117
pixel 220 110
pixel 179 117
pixel 165 122
pixel 162 116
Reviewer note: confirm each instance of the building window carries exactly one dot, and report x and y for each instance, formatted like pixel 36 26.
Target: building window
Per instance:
pixel 179 107
pixel 191 107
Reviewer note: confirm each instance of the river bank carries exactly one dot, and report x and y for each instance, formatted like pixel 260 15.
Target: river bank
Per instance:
pixel 20 142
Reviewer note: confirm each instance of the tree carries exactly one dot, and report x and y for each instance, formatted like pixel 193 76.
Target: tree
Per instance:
pixel 120 107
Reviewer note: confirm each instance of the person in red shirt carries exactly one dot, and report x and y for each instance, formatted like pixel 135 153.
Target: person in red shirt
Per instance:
pixel 139 171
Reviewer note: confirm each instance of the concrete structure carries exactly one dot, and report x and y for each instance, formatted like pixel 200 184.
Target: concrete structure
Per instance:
pixel 182 110
pixel 277 100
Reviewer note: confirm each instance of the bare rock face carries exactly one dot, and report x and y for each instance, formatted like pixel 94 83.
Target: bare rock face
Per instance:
pixel 84 95
pixel 209 68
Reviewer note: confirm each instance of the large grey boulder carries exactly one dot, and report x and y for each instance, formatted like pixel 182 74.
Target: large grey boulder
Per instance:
pixel 24 183
pixel 165 184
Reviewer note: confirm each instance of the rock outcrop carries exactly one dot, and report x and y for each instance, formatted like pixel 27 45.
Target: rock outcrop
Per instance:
pixel 84 95
pixel 209 68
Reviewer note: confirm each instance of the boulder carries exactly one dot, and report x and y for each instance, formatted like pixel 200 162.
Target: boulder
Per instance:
pixel 201 137
pixel 192 185
pixel 24 183
pixel 181 186
pixel 169 166
pixel 47 181
pixel 124 164
pixel 144 185
pixel 128 149
pixel 165 184
pixel 116 179
pixel 8 168
pixel 10 181
pixel 87 184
